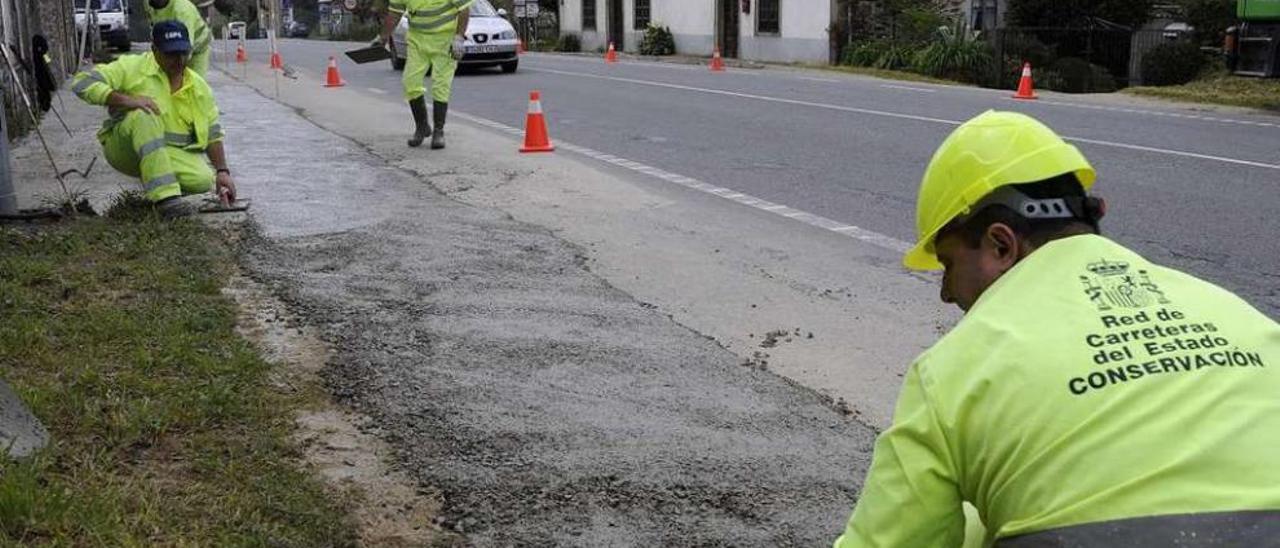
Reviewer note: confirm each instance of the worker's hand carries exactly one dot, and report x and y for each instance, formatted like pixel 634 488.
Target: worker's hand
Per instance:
pixel 142 102
pixel 225 188
pixel 459 47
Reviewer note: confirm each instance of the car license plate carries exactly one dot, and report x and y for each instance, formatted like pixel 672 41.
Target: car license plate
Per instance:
pixel 484 49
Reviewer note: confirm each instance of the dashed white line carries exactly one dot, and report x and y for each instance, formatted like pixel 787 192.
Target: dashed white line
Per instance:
pixel 861 234
pixel 378 91
pixel 908 88
pixel 813 79
pixel 902 116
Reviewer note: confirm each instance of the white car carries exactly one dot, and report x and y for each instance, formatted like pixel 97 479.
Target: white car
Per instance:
pixel 113 20
pixel 491 40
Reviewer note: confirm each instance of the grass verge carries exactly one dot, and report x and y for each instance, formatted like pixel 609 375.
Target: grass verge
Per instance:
pixel 1221 90
pixel 164 427
pixel 885 74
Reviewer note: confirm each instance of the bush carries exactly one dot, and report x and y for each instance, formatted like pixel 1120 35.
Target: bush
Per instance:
pixel 657 41
pixel 569 43
pixel 895 57
pixel 1172 64
pixel 1080 76
pixel 864 54
pixel 955 55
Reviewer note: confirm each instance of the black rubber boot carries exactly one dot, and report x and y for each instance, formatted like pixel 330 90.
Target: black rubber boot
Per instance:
pixel 422 126
pixel 441 111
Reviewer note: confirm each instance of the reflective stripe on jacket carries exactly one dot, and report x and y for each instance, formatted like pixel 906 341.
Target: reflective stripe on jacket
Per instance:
pixel 1089 398
pixel 431 16
pixel 190 115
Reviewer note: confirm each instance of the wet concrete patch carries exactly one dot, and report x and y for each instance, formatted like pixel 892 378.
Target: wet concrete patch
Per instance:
pixel 547 406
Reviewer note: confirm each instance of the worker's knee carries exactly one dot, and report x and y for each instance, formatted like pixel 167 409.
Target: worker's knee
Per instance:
pixel 140 120
pixel 193 172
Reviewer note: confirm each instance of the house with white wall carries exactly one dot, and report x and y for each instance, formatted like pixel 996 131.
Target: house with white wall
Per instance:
pixel 762 30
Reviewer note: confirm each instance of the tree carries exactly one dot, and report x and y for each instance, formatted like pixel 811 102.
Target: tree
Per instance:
pixel 238 10
pixel 1078 13
pixel 1210 18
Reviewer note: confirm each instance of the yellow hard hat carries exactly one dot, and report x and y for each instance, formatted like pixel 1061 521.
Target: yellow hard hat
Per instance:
pixel 994 149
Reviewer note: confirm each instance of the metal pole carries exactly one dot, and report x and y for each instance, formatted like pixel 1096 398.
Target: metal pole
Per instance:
pixel 8 198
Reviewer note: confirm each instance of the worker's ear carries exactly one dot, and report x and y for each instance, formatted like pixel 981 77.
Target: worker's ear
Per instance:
pixel 1005 249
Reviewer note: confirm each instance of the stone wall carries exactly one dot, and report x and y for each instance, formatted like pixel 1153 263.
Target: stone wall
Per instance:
pixel 55 20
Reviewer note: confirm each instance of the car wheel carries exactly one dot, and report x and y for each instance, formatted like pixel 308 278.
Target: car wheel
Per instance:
pixel 510 66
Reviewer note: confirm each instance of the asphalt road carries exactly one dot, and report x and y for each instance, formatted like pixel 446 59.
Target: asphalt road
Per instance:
pixel 1189 187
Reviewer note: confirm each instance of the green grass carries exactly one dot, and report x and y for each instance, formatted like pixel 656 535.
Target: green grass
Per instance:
pixel 164 428
pixel 885 74
pixel 1221 90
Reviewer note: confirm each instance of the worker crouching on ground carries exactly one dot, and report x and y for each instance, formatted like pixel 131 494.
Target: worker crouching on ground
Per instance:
pixel 163 121
pixel 435 41
pixel 1088 397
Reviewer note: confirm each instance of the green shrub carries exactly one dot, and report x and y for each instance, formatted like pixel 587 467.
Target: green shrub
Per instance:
pixel 1024 47
pixel 1080 76
pixel 1172 64
pixel 955 55
pixel 657 41
pixel 569 43
pixel 895 57
pixel 864 54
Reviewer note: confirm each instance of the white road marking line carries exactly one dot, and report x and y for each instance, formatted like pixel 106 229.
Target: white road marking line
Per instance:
pixel 756 97
pixel 866 236
pixel 378 91
pixel 936 87
pixel 1175 153
pixel 908 88
pixel 1164 114
pixel 899 115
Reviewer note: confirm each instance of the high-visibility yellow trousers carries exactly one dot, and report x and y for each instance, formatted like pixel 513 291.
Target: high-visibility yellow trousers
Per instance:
pixel 429 51
pixel 136 147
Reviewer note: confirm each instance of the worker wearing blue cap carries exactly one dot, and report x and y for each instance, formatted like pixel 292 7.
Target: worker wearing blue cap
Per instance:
pixel 163 125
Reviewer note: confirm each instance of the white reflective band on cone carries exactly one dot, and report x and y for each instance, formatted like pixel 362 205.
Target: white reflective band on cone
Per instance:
pixel 535 107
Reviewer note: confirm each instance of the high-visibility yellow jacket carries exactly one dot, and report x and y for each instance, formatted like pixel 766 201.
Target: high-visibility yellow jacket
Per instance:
pixel 1089 398
pixel 431 16
pixel 190 115
pixel 189 15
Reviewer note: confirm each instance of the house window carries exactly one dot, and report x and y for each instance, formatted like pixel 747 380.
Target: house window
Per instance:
pixel 984 15
pixel 588 14
pixel 768 16
pixel 642 14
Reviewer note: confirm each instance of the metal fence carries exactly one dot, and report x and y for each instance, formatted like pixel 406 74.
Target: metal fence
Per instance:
pixel 1078 60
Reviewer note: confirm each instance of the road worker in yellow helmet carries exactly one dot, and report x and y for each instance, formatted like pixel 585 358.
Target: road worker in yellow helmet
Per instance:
pixel 1088 397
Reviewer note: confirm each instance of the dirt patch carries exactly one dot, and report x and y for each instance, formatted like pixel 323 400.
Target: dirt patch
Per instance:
pixel 390 508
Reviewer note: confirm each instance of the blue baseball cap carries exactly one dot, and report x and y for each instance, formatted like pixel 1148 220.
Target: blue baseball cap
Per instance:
pixel 171 37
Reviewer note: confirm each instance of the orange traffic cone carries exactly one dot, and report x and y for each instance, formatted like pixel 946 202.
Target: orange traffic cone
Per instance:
pixel 611 56
pixel 717 63
pixel 535 127
pixel 241 56
pixel 277 62
pixel 333 79
pixel 1026 90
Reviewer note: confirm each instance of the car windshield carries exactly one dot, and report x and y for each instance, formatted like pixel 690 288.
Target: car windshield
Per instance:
pixel 100 5
pixel 482 8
